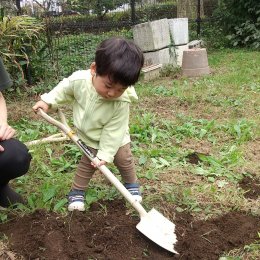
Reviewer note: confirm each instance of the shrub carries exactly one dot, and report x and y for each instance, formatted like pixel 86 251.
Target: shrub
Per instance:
pixel 240 21
pixel 19 37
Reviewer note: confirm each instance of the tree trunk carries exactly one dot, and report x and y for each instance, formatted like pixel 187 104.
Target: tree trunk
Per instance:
pixel 18 6
pixel 189 9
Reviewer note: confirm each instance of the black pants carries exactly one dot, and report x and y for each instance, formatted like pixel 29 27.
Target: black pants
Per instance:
pixel 14 160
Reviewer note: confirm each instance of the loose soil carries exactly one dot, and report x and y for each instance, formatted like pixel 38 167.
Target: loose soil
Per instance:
pixel 251 186
pixel 107 231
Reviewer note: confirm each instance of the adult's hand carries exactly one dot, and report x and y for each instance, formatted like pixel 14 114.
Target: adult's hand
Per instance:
pixel 6 132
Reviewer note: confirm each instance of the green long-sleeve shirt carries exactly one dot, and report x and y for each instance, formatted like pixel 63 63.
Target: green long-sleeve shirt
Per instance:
pixel 102 124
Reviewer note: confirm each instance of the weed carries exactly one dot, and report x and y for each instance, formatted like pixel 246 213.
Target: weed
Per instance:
pixel 31 130
pixel 170 71
pixel 241 130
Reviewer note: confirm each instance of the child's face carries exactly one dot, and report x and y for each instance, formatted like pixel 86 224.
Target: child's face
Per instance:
pixel 105 88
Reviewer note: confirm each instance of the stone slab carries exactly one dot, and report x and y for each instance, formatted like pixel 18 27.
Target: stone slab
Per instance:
pixel 151 36
pixel 179 30
pixel 163 56
pixel 179 53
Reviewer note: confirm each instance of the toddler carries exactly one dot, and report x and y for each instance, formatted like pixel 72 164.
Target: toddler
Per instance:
pixel 101 98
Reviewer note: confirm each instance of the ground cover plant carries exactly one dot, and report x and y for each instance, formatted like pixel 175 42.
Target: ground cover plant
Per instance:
pixel 197 147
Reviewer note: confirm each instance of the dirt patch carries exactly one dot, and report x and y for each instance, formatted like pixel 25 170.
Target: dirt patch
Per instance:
pixel 252 149
pixel 251 153
pixel 198 146
pixel 22 110
pixel 193 158
pixel 251 186
pixel 169 106
pixel 107 232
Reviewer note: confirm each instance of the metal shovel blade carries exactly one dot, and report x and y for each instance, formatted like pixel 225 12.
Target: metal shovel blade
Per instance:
pixel 159 229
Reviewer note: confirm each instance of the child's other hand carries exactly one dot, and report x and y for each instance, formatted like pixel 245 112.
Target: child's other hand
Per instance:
pixel 41 104
pixel 97 163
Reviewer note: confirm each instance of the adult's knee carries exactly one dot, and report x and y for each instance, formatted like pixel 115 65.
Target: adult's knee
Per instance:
pixel 23 159
pixel 15 160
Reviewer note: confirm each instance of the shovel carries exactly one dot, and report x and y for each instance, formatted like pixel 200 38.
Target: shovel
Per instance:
pixel 153 224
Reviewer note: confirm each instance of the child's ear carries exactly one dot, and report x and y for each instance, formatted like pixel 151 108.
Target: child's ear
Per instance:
pixel 93 68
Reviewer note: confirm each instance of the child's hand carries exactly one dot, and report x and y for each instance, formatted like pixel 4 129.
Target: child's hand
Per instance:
pixel 97 163
pixel 41 104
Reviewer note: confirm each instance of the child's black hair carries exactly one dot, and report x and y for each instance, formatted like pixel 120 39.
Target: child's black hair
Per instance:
pixel 120 59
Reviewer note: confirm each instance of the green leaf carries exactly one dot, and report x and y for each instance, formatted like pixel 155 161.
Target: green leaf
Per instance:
pixel 49 193
pixel 3 217
pixel 221 184
pixel 60 204
pixel 49 151
pixel 179 209
pixel 237 129
pixel 202 132
pixel 154 135
pixel 150 175
pixel 31 200
pixel 211 179
pixel 142 160
pixel 164 162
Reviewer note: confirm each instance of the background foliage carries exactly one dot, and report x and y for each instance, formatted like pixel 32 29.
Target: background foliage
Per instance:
pixel 63 43
pixel 19 39
pixel 240 21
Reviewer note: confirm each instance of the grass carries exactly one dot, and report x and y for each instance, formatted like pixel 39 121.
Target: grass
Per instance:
pixel 215 117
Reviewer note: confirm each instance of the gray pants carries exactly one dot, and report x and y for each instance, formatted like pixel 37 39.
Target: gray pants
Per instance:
pixel 124 162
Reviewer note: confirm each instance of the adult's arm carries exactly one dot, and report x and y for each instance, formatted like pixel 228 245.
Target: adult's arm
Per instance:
pixel 3 114
pixel 6 131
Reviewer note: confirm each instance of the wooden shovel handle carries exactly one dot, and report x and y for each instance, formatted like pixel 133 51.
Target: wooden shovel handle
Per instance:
pixel 64 127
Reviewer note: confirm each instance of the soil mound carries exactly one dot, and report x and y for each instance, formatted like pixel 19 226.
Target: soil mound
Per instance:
pixel 107 232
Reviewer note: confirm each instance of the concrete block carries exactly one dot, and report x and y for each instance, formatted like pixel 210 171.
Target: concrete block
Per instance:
pixel 179 30
pixel 195 44
pixel 179 53
pixel 163 56
pixel 151 36
pixel 151 72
